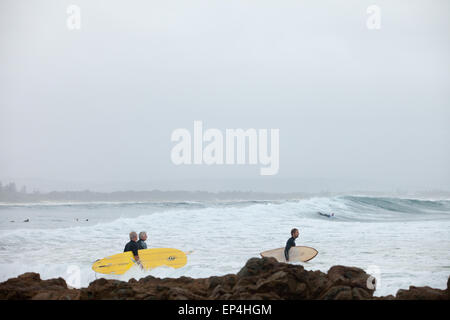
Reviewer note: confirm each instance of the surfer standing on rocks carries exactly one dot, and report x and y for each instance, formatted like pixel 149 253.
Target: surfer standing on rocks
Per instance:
pixel 142 237
pixel 133 246
pixel 291 242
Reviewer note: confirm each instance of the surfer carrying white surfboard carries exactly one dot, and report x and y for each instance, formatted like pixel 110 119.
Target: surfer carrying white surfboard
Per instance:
pixel 291 242
pixel 133 246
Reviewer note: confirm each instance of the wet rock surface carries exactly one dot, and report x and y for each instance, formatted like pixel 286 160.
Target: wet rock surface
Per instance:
pixel 259 279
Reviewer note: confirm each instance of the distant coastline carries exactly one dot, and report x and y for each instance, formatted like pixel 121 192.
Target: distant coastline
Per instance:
pixel 9 194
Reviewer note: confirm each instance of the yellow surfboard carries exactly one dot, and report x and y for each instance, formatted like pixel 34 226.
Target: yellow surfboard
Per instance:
pixel 115 264
pixel 152 258
pixel 149 258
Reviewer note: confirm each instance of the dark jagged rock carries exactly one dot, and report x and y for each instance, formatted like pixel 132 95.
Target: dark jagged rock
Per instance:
pixel 259 279
pixel 30 286
pixel 422 293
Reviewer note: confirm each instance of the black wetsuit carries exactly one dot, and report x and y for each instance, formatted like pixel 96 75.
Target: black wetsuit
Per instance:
pixel 132 246
pixel 290 243
pixel 141 244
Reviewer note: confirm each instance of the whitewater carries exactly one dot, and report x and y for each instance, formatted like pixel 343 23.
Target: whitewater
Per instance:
pixel 401 242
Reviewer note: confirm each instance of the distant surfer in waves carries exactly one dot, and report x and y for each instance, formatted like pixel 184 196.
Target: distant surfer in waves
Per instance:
pixel 133 246
pixel 326 214
pixel 142 237
pixel 291 242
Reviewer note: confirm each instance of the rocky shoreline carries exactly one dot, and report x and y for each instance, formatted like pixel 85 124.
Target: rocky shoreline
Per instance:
pixel 260 278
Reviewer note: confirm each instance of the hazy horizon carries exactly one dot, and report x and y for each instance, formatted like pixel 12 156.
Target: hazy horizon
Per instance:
pixel 281 186
pixel 94 108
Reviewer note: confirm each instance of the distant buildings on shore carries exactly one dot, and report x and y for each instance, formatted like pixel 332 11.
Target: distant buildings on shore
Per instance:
pixel 9 193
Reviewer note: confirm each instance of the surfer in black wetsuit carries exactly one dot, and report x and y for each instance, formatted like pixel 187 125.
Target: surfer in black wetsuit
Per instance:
pixel 133 246
pixel 291 242
pixel 326 214
pixel 141 242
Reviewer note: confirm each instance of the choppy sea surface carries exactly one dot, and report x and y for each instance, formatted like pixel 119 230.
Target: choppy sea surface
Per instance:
pixel 401 242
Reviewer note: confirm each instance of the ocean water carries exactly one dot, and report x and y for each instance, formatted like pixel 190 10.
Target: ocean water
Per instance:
pixel 401 242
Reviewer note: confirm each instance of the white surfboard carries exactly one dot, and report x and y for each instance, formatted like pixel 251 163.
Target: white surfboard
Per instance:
pixel 296 254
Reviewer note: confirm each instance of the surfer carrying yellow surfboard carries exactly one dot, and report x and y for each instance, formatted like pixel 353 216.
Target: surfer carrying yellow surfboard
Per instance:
pixel 133 246
pixel 291 242
pixel 142 237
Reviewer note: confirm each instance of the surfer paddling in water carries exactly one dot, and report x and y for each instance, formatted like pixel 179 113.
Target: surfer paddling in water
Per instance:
pixel 291 242
pixel 326 214
pixel 133 246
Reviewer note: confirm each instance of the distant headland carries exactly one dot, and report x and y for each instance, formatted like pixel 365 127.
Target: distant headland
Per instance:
pixel 10 193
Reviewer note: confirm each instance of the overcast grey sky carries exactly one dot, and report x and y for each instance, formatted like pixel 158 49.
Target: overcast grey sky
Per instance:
pixel 95 108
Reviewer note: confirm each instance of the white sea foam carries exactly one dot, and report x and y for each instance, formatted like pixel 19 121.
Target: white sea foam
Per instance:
pixel 406 240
